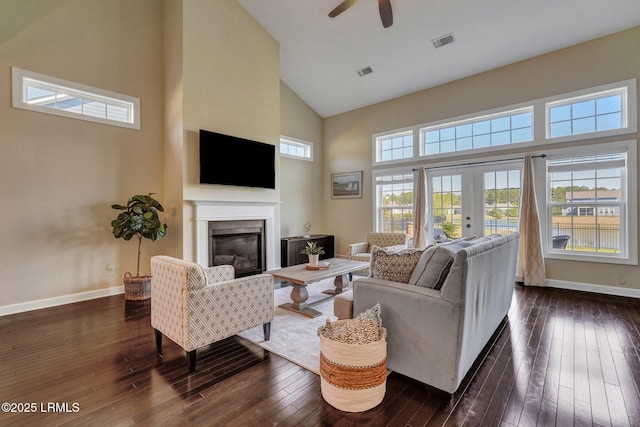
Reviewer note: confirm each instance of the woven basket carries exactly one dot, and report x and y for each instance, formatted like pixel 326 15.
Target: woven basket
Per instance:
pixel 353 377
pixel 137 288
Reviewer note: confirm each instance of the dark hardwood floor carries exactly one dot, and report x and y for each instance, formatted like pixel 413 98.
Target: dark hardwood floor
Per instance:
pixel 563 358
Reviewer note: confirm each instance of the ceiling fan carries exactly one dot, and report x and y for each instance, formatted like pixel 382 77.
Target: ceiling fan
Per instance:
pixel 386 14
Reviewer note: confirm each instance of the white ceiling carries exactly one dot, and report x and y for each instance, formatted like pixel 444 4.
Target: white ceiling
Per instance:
pixel 319 55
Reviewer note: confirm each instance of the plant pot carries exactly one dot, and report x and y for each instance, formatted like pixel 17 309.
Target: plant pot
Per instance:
pixel 313 259
pixel 137 288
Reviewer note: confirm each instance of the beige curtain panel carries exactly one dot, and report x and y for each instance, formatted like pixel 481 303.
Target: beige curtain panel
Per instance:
pixel 530 269
pixel 419 207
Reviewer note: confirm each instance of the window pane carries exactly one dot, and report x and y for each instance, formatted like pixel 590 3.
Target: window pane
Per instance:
pixel 586 205
pixel 395 203
pixel 590 115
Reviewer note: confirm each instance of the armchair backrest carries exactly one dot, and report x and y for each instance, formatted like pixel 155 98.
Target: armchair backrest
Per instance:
pixel 172 272
pixel 386 239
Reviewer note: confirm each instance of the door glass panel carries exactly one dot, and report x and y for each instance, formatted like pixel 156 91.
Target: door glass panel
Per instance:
pixel 446 207
pixel 501 201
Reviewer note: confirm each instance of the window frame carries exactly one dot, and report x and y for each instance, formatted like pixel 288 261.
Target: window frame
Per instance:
pixel 539 126
pixel 305 145
pixel 380 137
pixel 627 89
pixel 21 79
pixel 476 119
pixel 377 210
pixel 628 220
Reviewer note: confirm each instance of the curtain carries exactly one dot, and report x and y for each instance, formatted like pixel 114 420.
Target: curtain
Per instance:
pixel 419 207
pixel 530 268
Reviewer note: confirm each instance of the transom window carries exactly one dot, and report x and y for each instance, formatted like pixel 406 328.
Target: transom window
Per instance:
pixel 595 112
pixel 397 146
pixel 45 94
pixel 296 148
pixel 490 131
pixel 592 113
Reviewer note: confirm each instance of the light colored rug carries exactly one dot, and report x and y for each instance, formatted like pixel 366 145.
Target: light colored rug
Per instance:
pixel 294 336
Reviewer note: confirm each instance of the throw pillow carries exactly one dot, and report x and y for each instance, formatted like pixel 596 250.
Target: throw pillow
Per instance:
pixel 354 331
pixel 372 313
pixel 394 266
pixel 432 268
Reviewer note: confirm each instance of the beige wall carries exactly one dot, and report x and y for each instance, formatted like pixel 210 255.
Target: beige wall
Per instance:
pixel 348 136
pixel 59 176
pixel 301 183
pixel 173 124
pixel 231 85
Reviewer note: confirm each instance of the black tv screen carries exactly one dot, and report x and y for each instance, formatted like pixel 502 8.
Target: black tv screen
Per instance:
pixel 229 160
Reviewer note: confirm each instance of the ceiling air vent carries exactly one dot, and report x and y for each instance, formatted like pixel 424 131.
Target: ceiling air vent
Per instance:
pixel 364 71
pixel 444 40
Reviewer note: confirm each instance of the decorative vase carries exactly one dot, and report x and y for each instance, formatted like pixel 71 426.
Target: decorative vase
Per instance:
pixel 313 259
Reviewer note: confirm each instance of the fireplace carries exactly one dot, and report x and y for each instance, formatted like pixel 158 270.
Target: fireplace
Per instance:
pixel 238 243
pixel 268 213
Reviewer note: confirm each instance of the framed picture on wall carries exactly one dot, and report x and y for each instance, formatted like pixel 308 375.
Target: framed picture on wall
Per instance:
pixel 346 185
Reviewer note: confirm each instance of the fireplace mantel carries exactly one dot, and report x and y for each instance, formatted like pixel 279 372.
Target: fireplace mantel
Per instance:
pixel 234 210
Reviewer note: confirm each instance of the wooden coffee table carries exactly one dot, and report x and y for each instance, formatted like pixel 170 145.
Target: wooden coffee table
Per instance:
pixel 300 276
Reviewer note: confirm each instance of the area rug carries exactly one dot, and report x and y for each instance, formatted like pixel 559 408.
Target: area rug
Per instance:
pixel 294 336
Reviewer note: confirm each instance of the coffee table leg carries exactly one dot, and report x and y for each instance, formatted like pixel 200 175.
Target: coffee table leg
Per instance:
pixel 340 282
pixel 299 296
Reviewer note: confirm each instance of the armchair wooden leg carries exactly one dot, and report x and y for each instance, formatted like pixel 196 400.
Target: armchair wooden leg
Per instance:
pixel 191 361
pixel 266 329
pixel 158 341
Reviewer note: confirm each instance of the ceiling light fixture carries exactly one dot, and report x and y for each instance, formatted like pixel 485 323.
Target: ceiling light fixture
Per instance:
pixel 442 41
pixel 364 71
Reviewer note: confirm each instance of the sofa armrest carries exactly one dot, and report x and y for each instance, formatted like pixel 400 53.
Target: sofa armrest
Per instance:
pixel 228 307
pixel 423 329
pixel 358 248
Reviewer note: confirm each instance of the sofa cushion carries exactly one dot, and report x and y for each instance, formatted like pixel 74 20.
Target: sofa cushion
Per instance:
pixel 432 268
pixel 435 262
pixel 394 266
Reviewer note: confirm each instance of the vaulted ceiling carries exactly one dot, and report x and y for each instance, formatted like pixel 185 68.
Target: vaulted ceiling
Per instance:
pixel 319 55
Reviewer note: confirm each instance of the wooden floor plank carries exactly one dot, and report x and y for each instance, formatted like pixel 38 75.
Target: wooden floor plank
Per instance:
pixel 563 358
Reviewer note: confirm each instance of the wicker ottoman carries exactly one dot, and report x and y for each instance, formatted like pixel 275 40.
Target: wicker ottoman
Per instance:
pixel 343 305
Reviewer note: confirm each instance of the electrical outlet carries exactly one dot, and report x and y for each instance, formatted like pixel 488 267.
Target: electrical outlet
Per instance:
pixel 111 270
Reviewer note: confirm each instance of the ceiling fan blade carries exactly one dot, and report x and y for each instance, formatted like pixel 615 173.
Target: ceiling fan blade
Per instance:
pixel 386 14
pixel 346 4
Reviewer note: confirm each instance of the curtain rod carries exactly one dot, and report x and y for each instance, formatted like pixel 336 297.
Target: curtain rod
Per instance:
pixel 481 163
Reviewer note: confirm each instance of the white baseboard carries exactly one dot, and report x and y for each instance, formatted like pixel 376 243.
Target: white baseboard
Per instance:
pixel 590 287
pixel 61 300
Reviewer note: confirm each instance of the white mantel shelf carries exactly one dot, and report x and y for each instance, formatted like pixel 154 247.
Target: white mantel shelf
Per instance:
pixel 236 210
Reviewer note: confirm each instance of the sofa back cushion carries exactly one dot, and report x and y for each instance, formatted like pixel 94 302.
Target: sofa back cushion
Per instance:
pixel 434 264
pixel 394 266
pixel 432 268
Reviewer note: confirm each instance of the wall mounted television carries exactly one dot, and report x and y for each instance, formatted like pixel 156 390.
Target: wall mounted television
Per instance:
pixel 229 160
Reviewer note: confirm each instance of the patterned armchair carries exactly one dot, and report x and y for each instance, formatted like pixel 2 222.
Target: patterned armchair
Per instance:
pixel 196 306
pixel 362 251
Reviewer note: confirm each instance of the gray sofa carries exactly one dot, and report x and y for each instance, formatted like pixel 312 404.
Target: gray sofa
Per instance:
pixel 435 335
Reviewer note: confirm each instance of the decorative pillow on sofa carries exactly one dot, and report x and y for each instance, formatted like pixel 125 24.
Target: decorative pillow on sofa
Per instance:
pixel 394 266
pixel 432 268
pixel 434 264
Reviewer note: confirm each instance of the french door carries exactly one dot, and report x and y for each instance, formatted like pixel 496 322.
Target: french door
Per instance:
pixel 473 200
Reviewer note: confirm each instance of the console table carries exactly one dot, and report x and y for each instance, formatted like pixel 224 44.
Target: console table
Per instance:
pixel 290 248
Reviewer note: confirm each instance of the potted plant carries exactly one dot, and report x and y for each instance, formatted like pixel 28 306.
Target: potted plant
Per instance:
pixel 139 218
pixel 314 251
